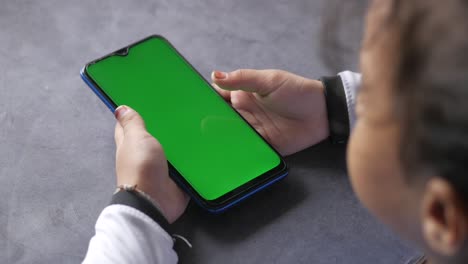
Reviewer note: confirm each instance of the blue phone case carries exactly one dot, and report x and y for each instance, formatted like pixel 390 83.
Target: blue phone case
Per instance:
pixel 174 176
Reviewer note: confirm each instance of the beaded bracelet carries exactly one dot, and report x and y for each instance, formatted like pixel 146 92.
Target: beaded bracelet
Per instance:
pixel 133 188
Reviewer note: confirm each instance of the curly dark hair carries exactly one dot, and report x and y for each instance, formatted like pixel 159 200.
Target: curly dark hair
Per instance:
pixel 431 88
pixel 431 81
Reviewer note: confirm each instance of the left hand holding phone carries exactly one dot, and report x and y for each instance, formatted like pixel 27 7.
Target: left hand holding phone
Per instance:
pixel 140 161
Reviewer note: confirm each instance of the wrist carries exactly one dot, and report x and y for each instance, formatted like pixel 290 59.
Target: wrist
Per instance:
pixel 144 188
pixel 130 196
pixel 320 122
pixel 170 199
pixel 323 116
pixel 142 194
pixel 159 199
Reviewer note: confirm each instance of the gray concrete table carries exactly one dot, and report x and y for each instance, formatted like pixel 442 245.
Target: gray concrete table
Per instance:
pixel 56 137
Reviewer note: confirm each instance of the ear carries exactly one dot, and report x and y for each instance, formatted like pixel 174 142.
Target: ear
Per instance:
pixel 444 222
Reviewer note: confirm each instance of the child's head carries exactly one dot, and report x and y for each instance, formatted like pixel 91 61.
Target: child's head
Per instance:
pixel 408 154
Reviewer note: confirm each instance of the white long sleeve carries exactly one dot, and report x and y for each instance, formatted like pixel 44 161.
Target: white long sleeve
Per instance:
pixel 126 235
pixel 351 84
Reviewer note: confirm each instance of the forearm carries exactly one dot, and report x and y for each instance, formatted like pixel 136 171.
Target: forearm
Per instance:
pixel 130 230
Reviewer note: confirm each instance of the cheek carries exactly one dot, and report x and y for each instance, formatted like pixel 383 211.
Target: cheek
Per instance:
pixel 374 172
pixel 362 169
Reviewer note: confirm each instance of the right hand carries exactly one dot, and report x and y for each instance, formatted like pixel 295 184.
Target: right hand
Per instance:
pixel 288 110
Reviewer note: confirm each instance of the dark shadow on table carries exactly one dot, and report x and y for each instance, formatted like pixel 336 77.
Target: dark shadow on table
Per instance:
pixel 259 211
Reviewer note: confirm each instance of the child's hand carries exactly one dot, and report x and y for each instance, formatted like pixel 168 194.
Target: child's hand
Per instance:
pixel 140 160
pixel 288 110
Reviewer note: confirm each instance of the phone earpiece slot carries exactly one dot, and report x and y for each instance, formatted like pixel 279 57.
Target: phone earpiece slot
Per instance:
pixel 122 52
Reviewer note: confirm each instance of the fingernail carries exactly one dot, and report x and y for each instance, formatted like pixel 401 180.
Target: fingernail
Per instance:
pixel 120 111
pixel 219 75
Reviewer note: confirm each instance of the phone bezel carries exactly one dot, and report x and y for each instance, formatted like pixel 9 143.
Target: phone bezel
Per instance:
pixel 225 201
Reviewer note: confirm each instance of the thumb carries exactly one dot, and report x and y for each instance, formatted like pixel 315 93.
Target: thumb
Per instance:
pixel 262 82
pixel 129 119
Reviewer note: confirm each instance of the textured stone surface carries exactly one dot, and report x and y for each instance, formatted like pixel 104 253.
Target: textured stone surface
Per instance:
pixel 56 137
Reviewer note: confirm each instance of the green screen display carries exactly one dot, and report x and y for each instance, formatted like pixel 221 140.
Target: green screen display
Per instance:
pixel 209 144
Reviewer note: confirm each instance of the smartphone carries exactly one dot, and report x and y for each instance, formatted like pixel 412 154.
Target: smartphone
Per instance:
pixel 213 153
